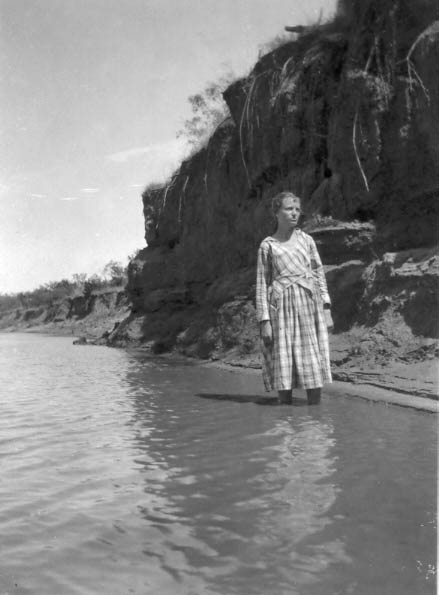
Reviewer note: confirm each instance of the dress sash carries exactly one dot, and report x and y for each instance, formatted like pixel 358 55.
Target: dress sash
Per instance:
pixel 282 282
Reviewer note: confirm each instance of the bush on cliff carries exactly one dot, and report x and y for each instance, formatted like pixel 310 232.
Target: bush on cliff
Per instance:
pixel 209 110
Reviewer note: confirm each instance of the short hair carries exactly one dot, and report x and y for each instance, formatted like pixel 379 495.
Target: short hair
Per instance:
pixel 276 201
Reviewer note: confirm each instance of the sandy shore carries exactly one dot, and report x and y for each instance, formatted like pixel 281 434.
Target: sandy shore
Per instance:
pixel 363 390
pixel 413 385
pixel 347 389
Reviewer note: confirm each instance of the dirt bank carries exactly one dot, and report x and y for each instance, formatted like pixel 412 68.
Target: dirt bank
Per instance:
pixel 90 317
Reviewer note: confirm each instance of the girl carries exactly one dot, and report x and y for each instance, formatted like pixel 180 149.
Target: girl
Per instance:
pixel 291 295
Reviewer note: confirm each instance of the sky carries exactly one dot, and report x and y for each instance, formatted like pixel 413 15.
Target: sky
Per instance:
pixel 92 96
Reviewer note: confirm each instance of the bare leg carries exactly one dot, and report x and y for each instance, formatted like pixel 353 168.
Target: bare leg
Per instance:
pixel 285 397
pixel 314 395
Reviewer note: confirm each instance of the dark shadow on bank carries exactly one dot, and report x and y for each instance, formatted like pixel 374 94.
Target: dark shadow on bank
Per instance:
pixel 257 399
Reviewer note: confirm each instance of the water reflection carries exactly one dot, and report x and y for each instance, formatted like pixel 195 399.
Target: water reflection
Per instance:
pixel 303 472
pixel 249 398
pixel 126 475
pixel 231 494
pixel 384 510
pixel 170 541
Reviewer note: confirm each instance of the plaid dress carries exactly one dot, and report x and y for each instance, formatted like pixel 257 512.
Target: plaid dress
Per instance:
pixel 290 292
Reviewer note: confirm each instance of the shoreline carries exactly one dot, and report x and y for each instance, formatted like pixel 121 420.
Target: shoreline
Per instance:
pixel 351 390
pixel 343 388
pixel 346 388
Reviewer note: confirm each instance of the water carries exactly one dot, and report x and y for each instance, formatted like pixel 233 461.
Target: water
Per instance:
pixel 124 475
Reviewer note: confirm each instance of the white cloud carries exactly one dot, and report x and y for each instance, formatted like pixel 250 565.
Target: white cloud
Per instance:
pixel 34 195
pixel 90 190
pixel 69 198
pixel 158 161
pixel 124 156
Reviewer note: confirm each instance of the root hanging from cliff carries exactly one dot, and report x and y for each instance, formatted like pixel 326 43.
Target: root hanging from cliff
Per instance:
pixel 168 187
pixel 354 143
pixel 246 116
pixel 182 195
pixel 208 153
pixel 433 29
pixel 283 76
pixel 412 74
pixel 242 151
pixel 371 54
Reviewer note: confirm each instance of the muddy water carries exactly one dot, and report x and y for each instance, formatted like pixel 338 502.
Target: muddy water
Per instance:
pixel 124 475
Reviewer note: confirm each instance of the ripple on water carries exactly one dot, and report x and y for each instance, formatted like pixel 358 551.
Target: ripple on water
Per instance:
pixel 125 475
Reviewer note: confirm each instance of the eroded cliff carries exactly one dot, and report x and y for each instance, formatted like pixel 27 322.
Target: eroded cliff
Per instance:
pixel 346 116
pixel 90 316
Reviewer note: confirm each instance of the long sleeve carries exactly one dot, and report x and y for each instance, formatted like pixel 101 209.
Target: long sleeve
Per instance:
pixel 318 272
pixel 263 280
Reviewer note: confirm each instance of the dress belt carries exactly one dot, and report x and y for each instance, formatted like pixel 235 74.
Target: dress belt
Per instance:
pixel 278 286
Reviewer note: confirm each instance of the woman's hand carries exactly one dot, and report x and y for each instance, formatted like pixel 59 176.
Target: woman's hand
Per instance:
pixel 266 333
pixel 328 317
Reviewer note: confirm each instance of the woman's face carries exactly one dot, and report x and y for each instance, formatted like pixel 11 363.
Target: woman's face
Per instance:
pixel 289 212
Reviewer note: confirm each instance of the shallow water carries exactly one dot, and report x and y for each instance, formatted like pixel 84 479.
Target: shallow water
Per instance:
pixel 121 474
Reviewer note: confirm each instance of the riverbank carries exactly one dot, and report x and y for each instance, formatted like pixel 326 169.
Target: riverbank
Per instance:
pixel 87 317
pixel 360 364
pixel 396 393
pixel 412 385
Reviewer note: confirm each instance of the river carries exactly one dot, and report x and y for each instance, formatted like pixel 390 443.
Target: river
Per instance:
pixel 124 474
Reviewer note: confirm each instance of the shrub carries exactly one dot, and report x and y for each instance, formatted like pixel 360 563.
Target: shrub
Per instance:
pixel 209 110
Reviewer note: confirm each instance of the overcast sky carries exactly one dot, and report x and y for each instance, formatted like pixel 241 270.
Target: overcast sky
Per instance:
pixel 92 94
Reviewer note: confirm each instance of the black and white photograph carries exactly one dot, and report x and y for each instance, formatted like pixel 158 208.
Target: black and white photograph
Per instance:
pixel 219 297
